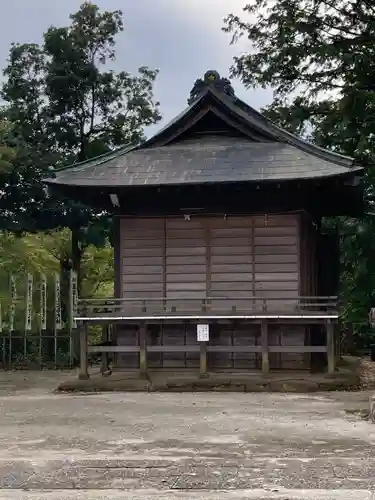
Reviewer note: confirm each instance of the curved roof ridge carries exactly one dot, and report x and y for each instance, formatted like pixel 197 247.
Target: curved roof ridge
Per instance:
pixel 255 119
pixel 295 138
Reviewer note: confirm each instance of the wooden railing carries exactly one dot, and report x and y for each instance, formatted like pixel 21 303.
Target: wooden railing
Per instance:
pixel 211 307
pixel 308 310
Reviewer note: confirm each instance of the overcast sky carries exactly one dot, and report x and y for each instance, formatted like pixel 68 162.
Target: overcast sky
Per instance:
pixel 182 38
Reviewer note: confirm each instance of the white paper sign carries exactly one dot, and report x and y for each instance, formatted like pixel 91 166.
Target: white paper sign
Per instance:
pixel 203 333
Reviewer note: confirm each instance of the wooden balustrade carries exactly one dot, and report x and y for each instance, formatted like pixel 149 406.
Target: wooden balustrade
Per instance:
pixel 146 311
pixel 212 307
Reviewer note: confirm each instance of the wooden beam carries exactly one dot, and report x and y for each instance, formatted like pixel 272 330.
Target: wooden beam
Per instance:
pixel 209 348
pixel 331 361
pixel 264 343
pixel 104 366
pixel 114 348
pixel 143 349
pixel 164 265
pixel 83 373
pixel 117 261
pixel 300 349
pixel 203 360
pixel 337 333
pixel 186 348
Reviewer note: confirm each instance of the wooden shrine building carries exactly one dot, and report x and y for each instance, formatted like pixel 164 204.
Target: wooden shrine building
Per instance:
pixel 218 222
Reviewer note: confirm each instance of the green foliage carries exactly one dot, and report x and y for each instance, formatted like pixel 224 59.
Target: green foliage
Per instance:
pixel 7 154
pixel 43 253
pixel 65 105
pixel 37 254
pixel 318 57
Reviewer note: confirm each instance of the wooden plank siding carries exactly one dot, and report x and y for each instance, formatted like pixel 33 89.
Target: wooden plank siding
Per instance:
pixel 216 257
pixel 276 256
pixel 246 257
pixel 185 267
pixel 142 259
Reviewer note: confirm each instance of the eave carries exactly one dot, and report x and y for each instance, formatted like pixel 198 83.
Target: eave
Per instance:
pixel 260 152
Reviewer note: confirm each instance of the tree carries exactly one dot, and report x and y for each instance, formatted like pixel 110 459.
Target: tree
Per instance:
pixel 318 57
pixel 13 185
pixel 7 153
pixel 67 106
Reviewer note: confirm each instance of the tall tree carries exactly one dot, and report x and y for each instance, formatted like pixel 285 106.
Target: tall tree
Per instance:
pixel 7 153
pixel 67 106
pixel 13 184
pixel 312 50
pixel 318 56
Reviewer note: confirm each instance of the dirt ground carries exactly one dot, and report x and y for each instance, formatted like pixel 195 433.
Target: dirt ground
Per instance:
pixel 175 446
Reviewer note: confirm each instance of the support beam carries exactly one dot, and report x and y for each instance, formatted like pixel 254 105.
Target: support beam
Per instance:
pixel 83 373
pixel 338 343
pixel 265 352
pixel 104 367
pixel 143 350
pixel 331 361
pixel 203 359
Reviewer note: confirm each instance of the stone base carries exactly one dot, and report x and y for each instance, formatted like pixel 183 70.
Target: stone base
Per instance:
pixel 178 381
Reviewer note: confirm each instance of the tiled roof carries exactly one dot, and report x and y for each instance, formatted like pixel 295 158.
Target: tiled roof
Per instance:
pixel 210 159
pixel 261 151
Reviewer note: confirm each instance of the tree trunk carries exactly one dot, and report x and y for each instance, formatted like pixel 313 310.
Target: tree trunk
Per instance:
pixel 77 254
pixel 71 260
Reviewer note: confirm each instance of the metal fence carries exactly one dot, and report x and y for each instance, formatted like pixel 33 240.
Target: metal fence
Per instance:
pixel 44 350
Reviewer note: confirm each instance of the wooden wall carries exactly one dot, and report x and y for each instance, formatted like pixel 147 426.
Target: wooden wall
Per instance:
pixel 242 258
pixel 239 334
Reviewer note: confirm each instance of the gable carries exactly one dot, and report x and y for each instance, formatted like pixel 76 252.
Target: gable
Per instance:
pixel 214 123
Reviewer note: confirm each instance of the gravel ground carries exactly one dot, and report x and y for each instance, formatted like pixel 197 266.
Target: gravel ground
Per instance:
pixel 181 446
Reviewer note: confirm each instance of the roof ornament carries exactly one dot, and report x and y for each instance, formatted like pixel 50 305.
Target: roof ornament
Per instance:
pixel 211 79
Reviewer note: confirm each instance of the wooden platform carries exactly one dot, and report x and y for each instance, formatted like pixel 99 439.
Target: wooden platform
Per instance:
pixel 263 334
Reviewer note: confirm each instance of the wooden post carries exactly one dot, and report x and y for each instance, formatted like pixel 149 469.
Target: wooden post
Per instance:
pixel 264 342
pixel 143 350
pixel 330 346
pixel 104 367
pixel 203 360
pixel 83 344
pixel 338 342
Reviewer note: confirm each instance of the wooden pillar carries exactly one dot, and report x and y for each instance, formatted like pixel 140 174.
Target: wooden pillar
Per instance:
pixel 338 342
pixel 104 367
pixel 264 342
pixel 143 349
pixel 83 373
pixel 203 360
pixel 331 361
